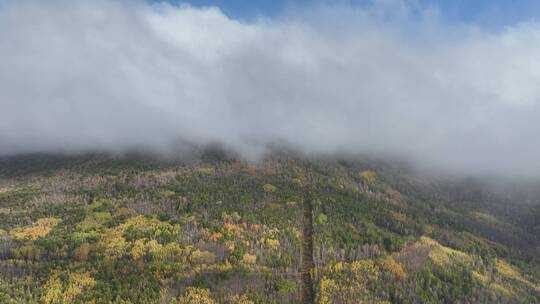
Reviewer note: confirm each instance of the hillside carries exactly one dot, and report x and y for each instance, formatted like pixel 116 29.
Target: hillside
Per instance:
pixel 104 229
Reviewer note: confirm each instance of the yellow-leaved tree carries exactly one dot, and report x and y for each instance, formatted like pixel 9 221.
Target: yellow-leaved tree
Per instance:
pixel 194 295
pixel 64 288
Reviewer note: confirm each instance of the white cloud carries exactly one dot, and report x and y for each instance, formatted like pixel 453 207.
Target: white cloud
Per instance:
pixel 113 75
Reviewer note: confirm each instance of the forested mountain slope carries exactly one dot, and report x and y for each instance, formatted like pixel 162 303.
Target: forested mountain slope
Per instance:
pixel 103 229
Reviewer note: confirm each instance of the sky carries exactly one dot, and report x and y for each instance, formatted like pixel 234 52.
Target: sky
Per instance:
pixel 494 14
pixel 449 87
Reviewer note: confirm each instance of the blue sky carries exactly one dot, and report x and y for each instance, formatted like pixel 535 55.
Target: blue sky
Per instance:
pixel 488 13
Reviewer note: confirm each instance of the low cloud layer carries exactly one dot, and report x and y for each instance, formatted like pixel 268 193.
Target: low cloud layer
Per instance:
pixel 388 78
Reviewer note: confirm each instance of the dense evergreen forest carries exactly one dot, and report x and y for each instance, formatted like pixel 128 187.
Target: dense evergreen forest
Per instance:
pixel 105 229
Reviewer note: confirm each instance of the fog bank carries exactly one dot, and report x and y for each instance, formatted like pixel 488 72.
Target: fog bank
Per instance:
pixel 386 79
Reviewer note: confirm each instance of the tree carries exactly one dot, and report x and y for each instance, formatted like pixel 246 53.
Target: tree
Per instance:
pixel 194 295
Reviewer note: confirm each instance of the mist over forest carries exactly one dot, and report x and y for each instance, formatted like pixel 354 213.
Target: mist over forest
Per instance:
pixel 390 78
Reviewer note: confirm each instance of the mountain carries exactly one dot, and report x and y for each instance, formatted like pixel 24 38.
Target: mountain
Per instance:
pixel 98 228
